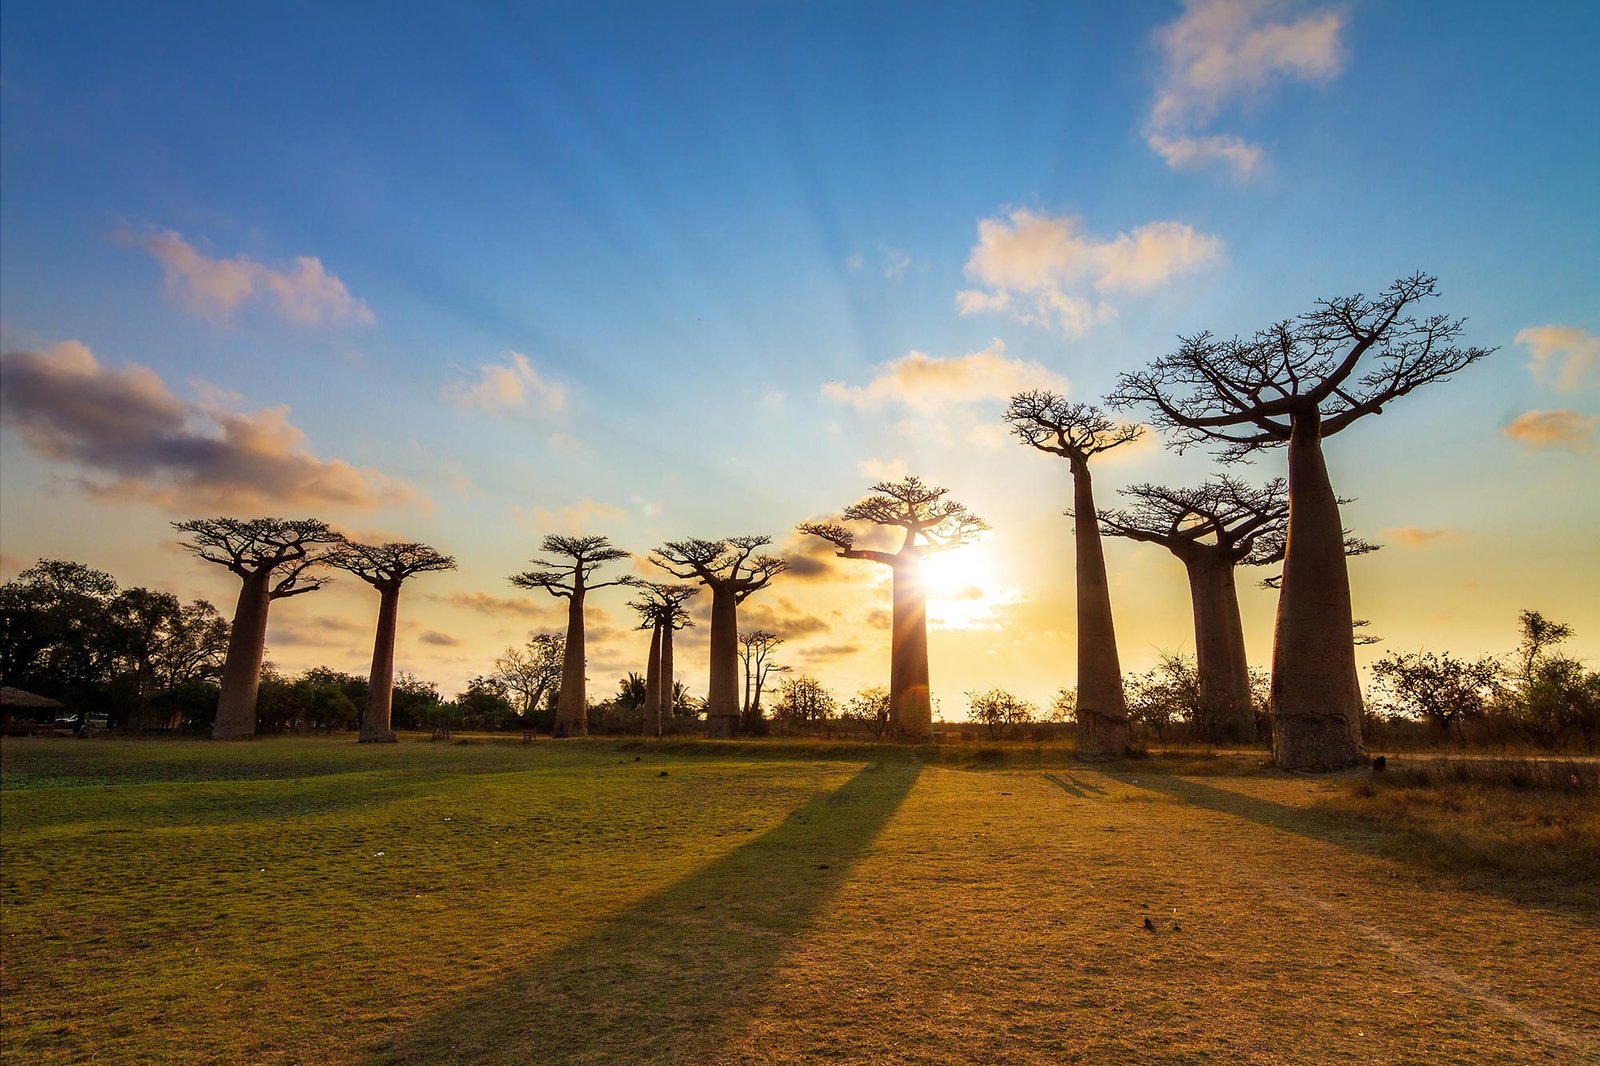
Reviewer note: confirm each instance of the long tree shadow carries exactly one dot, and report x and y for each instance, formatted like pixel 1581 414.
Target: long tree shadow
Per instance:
pixel 1341 830
pixel 667 979
pixel 1075 786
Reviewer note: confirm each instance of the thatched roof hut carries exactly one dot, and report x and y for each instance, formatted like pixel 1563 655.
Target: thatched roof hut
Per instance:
pixel 20 699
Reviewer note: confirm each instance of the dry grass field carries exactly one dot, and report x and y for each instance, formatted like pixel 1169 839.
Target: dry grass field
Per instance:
pixel 309 901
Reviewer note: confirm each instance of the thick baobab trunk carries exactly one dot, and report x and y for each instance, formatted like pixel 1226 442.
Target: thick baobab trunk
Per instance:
pixel 667 682
pixel 1227 715
pixel 722 697
pixel 572 711
pixel 652 685
pixel 241 671
pixel 1316 693
pixel 1102 712
pixel 380 683
pixel 910 698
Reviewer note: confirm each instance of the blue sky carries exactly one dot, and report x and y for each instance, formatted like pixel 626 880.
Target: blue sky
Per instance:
pixel 687 220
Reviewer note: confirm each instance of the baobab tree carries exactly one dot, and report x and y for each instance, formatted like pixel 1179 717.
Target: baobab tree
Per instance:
pixel 1296 383
pixel 733 572
pixel 385 567
pixel 755 651
pixel 1212 529
pixel 1077 432
pixel 662 612
pixel 931 524
pixel 271 557
pixel 570 578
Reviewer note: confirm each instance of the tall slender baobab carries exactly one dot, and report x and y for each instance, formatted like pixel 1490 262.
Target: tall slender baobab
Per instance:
pixel 385 567
pixel 271 557
pixel 1211 530
pixel 1077 432
pixel 1294 384
pixel 932 524
pixel 733 572
pixel 570 578
pixel 661 611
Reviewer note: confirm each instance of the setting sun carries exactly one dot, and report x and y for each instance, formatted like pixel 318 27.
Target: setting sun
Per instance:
pixel 726 532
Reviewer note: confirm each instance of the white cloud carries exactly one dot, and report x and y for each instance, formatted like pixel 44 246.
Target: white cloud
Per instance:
pixel 1565 356
pixel 581 517
pixel 1222 52
pixel 1539 430
pixel 882 469
pixel 507 386
pixel 926 383
pixel 1193 153
pixel 303 292
pixel 1028 264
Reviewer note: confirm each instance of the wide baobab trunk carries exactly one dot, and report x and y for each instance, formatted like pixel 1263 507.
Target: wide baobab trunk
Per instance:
pixel 380 682
pixel 1225 709
pixel 667 682
pixel 722 697
pixel 652 685
pixel 1316 693
pixel 572 710
pixel 1102 711
pixel 910 698
pixel 241 671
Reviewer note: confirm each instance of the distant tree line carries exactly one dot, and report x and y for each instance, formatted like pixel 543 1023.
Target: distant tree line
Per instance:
pixel 1291 385
pixel 70 633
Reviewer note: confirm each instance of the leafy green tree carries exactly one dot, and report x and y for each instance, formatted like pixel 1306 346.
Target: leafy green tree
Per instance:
pixel 485 705
pixel 1000 711
pixel 1438 688
pixel 1166 695
pixel 413 701
pixel 55 629
pixel 803 700
pixel 1553 695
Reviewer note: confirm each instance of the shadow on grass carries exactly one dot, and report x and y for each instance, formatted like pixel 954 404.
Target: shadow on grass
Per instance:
pixel 669 978
pixel 1342 830
pixel 1074 786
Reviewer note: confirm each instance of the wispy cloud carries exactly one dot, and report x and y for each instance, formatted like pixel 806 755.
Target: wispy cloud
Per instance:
pixel 1415 537
pixel 581 517
pixel 137 440
pixel 303 292
pixel 1564 356
pixel 1044 270
pixel 490 604
pixel 882 469
pixel 926 383
pixel 441 640
pixel 507 386
pixel 1565 429
pixel 1219 53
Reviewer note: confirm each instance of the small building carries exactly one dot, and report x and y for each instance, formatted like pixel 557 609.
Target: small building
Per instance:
pixel 23 712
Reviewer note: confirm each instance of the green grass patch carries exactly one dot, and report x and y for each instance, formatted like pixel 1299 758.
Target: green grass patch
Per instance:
pixel 596 901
